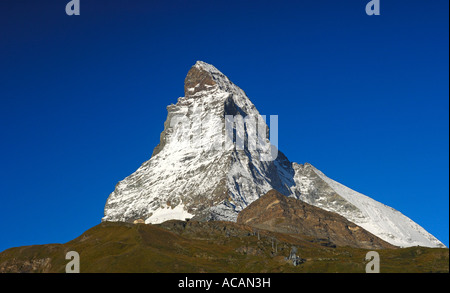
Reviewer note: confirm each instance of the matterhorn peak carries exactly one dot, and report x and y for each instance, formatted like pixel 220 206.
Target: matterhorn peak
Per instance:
pixel 204 77
pixel 199 78
pixel 194 173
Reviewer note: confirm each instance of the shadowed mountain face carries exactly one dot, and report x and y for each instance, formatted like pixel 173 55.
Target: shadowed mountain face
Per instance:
pixel 278 213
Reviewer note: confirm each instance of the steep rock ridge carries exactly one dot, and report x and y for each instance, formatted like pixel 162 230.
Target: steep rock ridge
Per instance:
pixel 276 212
pixel 381 220
pixel 195 173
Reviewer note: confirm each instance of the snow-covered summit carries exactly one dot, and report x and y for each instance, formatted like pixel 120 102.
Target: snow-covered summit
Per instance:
pixel 193 169
pixel 194 173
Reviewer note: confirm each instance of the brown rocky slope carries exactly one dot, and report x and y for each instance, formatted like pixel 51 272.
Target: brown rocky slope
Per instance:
pixel 278 213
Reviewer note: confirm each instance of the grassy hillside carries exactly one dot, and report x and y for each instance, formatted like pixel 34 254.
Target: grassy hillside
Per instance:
pixel 192 247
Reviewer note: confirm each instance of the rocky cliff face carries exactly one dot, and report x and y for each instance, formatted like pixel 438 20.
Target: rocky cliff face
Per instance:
pixel 278 213
pixel 202 170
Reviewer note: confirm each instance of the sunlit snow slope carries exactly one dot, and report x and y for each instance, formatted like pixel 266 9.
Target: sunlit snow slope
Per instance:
pixel 375 217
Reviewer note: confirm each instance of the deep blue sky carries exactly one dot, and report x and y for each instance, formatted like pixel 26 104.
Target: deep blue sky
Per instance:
pixel 83 98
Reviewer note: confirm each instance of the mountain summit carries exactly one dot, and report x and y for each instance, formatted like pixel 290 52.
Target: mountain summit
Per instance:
pixel 197 170
pixel 215 158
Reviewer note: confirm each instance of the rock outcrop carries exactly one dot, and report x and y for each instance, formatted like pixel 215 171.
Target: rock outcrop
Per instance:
pixel 278 213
